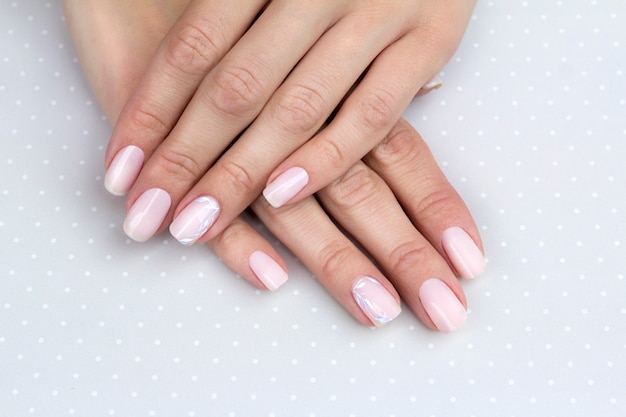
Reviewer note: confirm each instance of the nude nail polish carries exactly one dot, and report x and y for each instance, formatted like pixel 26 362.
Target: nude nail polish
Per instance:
pixel 432 84
pixel 124 170
pixel 195 220
pixel 147 214
pixel 376 302
pixel 442 305
pixel 467 259
pixel 267 270
pixel 286 186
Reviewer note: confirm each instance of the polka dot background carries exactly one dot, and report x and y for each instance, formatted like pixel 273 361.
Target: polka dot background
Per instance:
pixel 530 127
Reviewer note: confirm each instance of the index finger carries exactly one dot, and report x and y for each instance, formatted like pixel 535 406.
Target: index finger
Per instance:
pixel 196 43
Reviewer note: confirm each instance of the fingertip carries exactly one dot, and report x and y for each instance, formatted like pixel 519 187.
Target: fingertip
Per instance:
pixel 465 256
pixel 442 305
pixel 267 270
pixel 147 214
pixel 286 186
pixel 378 304
pixel 124 170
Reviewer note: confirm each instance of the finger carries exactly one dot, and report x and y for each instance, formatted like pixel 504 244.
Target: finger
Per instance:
pixel 428 198
pixel 294 113
pixel 247 253
pixel 434 83
pixel 367 115
pixel 407 258
pixel 339 266
pixel 199 39
pixel 228 99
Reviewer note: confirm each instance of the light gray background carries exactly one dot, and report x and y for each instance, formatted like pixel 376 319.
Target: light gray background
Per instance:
pixel 530 127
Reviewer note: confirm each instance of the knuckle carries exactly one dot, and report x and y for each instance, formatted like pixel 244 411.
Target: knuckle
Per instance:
pixel 178 164
pixel 237 89
pixel 237 177
pixel 146 120
pixel 333 153
pixel 402 144
pixel 407 257
pixel 378 110
pixel 232 236
pixel 355 189
pixel 436 202
pixel 195 47
pixel 333 257
pixel 301 109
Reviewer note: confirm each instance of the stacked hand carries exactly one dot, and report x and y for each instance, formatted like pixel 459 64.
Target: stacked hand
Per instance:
pixel 289 99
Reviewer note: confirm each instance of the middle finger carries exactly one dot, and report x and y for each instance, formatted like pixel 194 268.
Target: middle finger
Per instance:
pixel 228 99
pixel 294 113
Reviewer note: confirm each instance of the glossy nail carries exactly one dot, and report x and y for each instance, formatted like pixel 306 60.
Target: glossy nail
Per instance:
pixel 195 220
pixel 147 214
pixel 376 302
pixel 442 305
pixel 467 259
pixel 267 270
pixel 124 170
pixel 286 186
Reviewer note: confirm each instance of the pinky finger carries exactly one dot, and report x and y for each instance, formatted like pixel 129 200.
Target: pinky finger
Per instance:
pixel 247 253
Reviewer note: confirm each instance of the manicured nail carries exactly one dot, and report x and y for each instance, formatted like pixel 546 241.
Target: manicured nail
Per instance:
pixel 467 259
pixel 286 186
pixel 442 306
pixel 433 84
pixel 124 170
pixel 267 270
pixel 376 302
pixel 147 214
pixel 195 220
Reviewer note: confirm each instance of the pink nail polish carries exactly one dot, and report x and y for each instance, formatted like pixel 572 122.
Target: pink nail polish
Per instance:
pixel 124 170
pixel 195 220
pixel 286 186
pixel 147 214
pixel 376 302
pixel 442 305
pixel 267 270
pixel 467 259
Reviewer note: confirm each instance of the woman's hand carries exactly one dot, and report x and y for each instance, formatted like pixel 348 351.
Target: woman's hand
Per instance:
pixel 270 75
pixel 405 214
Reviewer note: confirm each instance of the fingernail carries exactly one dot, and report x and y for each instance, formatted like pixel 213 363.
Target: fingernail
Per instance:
pixel 376 302
pixel 467 259
pixel 267 270
pixel 124 170
pixel 433 84
pixel 147 214
pixel 286 186
pixel 442 306
pixel 195 220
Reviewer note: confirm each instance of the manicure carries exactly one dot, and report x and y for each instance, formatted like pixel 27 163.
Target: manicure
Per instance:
pixel 286 186
pixel 433 84
pixel 195 220
pixel 147 214
pixel 467 259
pixel 267 270
pixel 376 302
pixel 442 305
pixel 124 170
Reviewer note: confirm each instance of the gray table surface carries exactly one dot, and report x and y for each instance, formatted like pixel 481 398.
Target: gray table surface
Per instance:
pixel 530 127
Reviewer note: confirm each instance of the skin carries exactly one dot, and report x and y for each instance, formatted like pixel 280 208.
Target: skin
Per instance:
pixel 398 178
pixel 271 74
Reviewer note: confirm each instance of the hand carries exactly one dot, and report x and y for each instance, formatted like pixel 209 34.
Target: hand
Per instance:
pixel 409 258
pixel 269 74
